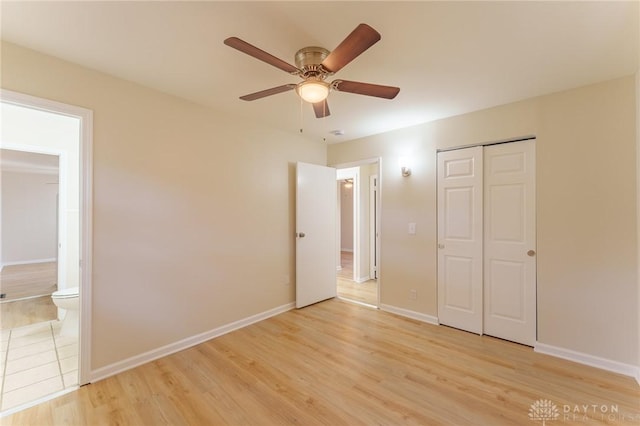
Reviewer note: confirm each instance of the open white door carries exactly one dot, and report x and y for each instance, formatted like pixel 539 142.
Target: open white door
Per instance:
pixel 460 239
pixel 316 194
pixel 510 242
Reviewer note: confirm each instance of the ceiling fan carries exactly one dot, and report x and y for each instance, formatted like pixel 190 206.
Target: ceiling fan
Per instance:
pixel 315 64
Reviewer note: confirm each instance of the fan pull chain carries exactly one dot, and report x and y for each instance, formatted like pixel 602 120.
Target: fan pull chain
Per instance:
pixel 301 116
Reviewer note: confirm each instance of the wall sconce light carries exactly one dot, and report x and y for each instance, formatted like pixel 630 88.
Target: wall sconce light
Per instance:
pixel 348 183
pixel 404 166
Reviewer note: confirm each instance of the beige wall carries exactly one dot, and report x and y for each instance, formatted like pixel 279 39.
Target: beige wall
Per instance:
pixel 29 229
pixel 193 210
pixel 587 253
pixel 346 218
pixel 638 196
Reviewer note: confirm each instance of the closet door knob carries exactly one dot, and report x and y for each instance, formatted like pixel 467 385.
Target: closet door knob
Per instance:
pixel 531 253
pixel 301 234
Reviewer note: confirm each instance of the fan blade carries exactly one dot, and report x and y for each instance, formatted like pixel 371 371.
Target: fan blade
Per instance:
pixel 360 39
pixel 321 109
pixel 260 54
pixel 268 92
pixel 368 89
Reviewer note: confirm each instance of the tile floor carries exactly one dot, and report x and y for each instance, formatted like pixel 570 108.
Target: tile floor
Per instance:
pixel 35 362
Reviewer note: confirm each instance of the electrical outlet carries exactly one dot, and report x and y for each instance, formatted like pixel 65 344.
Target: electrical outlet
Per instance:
pixel 413 294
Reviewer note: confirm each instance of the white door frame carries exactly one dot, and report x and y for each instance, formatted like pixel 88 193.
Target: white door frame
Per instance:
pixel 378 161
pixel 86 214
pixel 374 211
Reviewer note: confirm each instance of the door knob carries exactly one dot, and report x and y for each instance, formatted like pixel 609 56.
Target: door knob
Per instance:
pixel 301 234
pixel 440 246
pixel 531 253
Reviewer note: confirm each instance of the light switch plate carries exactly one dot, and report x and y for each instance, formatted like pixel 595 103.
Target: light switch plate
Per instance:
pixel 412 228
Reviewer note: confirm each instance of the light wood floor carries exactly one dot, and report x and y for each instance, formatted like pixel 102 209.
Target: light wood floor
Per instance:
pixel 19 313
pixel 22 281
pixel 366 292
pixel 338 363
pixel 346 263
pixel 22 284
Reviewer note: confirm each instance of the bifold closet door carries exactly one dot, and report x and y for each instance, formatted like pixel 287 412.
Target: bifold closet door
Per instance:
pixel 509 242
pixel 460 240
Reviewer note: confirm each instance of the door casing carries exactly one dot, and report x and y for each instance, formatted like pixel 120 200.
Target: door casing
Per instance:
pixel 85 117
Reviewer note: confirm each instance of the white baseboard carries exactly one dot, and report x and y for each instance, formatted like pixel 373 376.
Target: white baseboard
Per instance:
pixel 338 268
pixel 638 375
pixel 29 262
pixel 410 314
pixel 591 360
pixel 347 250
pixel 363 279
pixel 127 364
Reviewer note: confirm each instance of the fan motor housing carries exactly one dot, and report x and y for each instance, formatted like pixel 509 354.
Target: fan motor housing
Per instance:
pixel 308 59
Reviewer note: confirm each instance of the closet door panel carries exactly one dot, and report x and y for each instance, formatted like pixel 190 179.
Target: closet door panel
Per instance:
pixel 460 238
pixel 509 242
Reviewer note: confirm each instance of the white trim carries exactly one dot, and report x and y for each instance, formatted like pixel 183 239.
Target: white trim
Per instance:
pixel 363 279
pixel 373 224
pixel 86 205
pixel 429 319
pixel 586 359
pixel 29 262
pixel 135 361
pixel 638 375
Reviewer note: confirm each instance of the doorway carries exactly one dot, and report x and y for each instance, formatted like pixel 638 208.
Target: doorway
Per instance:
pixel 357 232
pixel 46 161
pixel 30 224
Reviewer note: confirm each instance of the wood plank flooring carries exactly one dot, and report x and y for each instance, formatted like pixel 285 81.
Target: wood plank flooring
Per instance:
pixel 346 264
pixel 338 363
pixel 366 292
pixel 28 291
pixel 19 313
pixel 22 281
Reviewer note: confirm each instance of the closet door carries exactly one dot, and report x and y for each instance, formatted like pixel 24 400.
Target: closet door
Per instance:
pixel 509 242
pixel 460 239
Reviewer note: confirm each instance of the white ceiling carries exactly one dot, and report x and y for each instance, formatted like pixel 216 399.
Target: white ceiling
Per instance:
pixel 448 58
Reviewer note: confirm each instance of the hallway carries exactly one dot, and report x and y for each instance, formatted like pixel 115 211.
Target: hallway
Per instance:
pixel 366 292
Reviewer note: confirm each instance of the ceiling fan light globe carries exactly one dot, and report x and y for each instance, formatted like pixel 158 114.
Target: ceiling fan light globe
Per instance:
pixel 313 91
